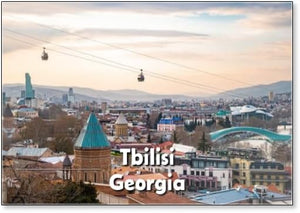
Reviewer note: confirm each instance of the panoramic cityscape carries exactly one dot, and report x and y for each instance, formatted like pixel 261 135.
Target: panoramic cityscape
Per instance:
pixel 147 103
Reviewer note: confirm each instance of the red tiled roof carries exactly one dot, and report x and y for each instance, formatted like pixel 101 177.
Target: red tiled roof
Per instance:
pixel 174 175
pixel 153 176
pixel 153 198
pixel 273 188
pixel 176 153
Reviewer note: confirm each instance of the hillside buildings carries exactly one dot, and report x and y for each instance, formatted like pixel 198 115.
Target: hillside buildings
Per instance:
pixel 169 124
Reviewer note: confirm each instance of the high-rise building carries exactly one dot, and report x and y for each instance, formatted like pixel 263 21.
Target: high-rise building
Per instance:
pixel 3 98
pixel 65 98
pixel 71 96
pixel 167 102
pixel 71 93
pixel 271 96
pixel 29 92
pixel 22 93
pixel 104 107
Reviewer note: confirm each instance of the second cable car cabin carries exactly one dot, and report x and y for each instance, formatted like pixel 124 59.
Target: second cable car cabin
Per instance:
pixel 141 77
pixel 44 55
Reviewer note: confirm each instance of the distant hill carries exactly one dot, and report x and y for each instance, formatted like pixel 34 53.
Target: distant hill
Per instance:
pixel 14 90
pixel 259 90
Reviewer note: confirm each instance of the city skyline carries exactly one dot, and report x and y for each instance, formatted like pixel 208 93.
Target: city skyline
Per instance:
pixel 247 42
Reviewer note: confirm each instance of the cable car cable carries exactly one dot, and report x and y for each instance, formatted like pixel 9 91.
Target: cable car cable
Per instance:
pixel 120 64
pixel 138 53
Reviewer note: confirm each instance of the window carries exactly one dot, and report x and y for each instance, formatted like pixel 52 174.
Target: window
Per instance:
pixel 269 177
pixel 197 173
pixel 195 164
pixel 223 175
pixel 201 164
pixel 210 174
pixel 277 177
pixel 244 182
pixel 213 184
pixel 261 183
pixel 202 173
pixel 192 173
pixel 253 183
pixel 95 177
pixel 244 174
pixel 184 172
pixel 237 165
pixel 261 177
pixel 244 166
pixel 202 183
pixel 236 173
pixel 253 176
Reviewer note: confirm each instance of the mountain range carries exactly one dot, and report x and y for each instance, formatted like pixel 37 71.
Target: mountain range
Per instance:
pixel 14 90
pixel 259 90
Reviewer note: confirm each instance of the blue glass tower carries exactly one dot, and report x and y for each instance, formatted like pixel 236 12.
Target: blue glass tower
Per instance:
pixel 29 92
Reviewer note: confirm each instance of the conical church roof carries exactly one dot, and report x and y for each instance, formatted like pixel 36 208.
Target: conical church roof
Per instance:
pixel 121 119
pixel 92 135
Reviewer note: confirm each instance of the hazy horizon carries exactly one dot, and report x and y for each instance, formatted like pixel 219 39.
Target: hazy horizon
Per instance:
pixel 245 41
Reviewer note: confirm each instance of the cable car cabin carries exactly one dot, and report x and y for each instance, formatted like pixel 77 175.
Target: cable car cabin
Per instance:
pixel 141 77
pixel 44 55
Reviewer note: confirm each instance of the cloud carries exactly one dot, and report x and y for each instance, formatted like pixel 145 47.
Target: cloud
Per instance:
pixel 139 32
pixel 46 8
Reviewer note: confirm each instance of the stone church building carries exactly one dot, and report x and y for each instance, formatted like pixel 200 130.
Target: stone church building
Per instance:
pixel 92 162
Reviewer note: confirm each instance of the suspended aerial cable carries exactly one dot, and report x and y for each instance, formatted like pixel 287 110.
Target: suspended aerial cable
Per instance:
pixel 154 76
pixel 138 53
pixel 124 65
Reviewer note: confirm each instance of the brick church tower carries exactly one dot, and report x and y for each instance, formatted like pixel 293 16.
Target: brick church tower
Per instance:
pixel 92 154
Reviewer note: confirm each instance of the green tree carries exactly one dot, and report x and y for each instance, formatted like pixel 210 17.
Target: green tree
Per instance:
pixel 204 143
pixel 157 120
pixel 36 130
pixel 62 144
pixel 227 123
pixel 72 192
pixel 175 137
pixel 149 138
pixel 190 127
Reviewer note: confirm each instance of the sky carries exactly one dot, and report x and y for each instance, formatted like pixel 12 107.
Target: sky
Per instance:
pixel 206 47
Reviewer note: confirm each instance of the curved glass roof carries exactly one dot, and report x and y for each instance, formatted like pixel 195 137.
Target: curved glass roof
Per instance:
pixel 273 136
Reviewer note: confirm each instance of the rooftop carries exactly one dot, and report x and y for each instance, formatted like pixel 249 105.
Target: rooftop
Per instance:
pixel 121 119
pixel 26 152
pixel 153 198
pixel 224 197
pixel 92 135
